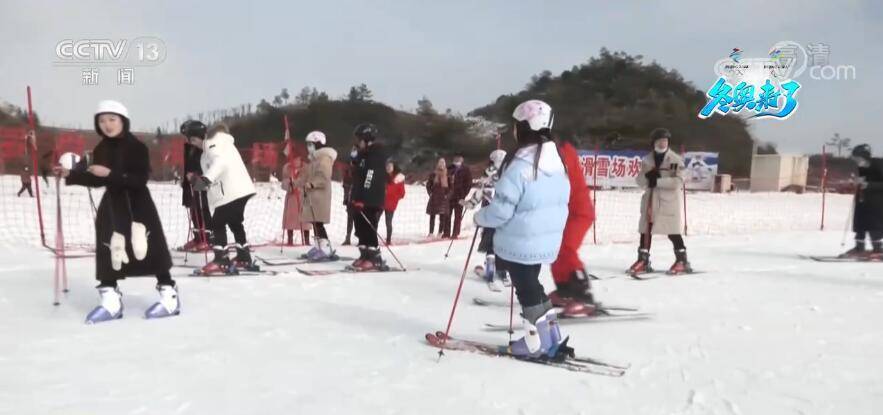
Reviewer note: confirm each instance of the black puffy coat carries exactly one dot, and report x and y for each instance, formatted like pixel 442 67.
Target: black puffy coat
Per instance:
pixel 869 201
pixel 192 155
pixel 369 177
pixel 126 197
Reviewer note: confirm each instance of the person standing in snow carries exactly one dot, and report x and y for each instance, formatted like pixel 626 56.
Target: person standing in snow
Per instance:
pixel 316 187
pixel 868 218
pixel 438 189
pixel 662 206
pixel 574 290
pixel 196 202
pixel 368 197
pixel 25 182
pixel 528 211
pixel 229 188
pixel 291 219
pixel 395 191
pixel 346 181
pixel 460 179
pixel 129 238
pixel 482 197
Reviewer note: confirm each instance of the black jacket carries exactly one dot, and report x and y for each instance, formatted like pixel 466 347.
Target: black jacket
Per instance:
pixel 369 177
pixel 869 201
pixel 192 155
pixel 125 197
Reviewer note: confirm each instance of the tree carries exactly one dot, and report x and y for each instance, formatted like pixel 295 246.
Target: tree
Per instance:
pixel 840 143
pixel 284 95
pixel 264 106
pixel 303 97
pixel 360 93
pixel 277 100
pixel 424 107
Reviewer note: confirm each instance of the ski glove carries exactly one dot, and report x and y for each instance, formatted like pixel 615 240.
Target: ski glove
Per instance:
pixel 201 184
pixel 139 240
pixel 117 247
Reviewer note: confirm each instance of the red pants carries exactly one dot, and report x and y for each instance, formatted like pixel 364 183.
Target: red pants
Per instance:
pixel 568 257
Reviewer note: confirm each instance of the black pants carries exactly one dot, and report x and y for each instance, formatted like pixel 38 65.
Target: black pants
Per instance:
pixel 319 228
pixel 230 215
pixel 364 229
pixel 200 214
pixel 676 240
pixel 163 278
pixel 442 224
pixel 526 280
pixel 387 216
pixel 26 187
pixel 455 211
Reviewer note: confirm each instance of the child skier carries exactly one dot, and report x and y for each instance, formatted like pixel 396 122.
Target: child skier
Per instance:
pixel 316 185
pixel 196 202
pixel 528 211
pixel 368 196
pixel 482 196
pixel 229 188
pixel 662 207
pixel 129 239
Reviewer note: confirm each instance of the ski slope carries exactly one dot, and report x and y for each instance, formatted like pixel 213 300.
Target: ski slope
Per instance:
pixel 762 331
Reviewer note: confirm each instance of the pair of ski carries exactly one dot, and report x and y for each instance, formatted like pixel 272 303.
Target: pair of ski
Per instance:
pixel 601 313
pixel 349 269
pixel 282 261
pixel 861 259
pixel 571 362
pixel 649 275
pixel 234 271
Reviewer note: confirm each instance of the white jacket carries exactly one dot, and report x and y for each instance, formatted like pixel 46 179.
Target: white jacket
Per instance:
pixel 223 166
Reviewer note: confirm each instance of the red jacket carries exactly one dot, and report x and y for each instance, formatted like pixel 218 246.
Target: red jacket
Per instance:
pixel 395 191
pixel 580 203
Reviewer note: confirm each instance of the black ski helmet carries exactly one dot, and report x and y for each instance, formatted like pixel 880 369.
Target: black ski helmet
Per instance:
pixel 862 151
pixel 658 134
pixel 366 132
pixel 194 128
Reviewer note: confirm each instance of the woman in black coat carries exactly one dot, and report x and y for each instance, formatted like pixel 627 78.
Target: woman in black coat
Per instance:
pixel 129 239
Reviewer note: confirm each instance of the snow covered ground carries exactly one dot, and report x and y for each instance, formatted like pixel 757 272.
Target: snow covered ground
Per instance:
pixel 762 331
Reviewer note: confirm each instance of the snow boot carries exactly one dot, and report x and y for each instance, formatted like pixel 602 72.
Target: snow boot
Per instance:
pixel 363 255
pixel 220 265
pixel 323 252
pixel 193 244
pixel 681 265
pixel 111 307
pixel 642 265
pixel 542 338
pixel 876 252
pixel 856 252
pixel 168 304
pixel 372 261
pixel 575 297
pixel 243 259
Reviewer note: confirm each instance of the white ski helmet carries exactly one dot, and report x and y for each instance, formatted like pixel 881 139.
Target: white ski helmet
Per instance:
pixel 69 160
pixel 497 157
pixel 316 137
pixel 537 113
pixel 113 107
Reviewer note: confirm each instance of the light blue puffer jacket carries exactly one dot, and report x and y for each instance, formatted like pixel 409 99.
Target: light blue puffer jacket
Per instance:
pixel 529 212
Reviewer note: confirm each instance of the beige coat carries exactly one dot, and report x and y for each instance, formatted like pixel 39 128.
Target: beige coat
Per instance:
pixel 667 197
pixel 316 183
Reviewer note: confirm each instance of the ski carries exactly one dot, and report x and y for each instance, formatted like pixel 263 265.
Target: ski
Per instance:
pixel 234 272
pixel 818 258
pixel 657 274
pixel 346 270
pixel 573 320
pixel 502 303
pixel 279 262
pixel 578 364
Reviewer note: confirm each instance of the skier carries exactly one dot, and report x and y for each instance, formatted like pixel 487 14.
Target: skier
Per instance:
pixel 316 186
pixel 528 211
pixel 395 191
pixel 347 183
pixel 229 188
pixel 25 182
pixel 868 217
pixel 368 196
pixel 662 206
pixel 129 238
pixel 195 201
pixel 460 179
pixel 574 290
pixel 291 220
pixel 482 196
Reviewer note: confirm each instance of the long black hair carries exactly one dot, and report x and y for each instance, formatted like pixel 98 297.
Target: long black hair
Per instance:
pixel 527 137
pixel 395 171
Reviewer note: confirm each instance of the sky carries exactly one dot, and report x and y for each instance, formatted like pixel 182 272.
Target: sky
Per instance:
pixel 460 54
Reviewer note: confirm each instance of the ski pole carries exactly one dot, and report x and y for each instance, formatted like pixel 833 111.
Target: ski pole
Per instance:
pixel 381 240
pixel 449 248
pixel 849 219
pixel 457 296
pixel 511 311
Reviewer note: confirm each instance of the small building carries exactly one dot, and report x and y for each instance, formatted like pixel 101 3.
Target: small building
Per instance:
pixel 777 172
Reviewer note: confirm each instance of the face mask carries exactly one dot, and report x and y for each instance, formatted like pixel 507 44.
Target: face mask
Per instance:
pixel 311 148
pixel 660 149
pixel 861 162
pixel 458 163
pixel 354 153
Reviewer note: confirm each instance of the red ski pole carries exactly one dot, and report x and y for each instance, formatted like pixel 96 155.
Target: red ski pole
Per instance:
pixel 457 296
pixel 32 147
